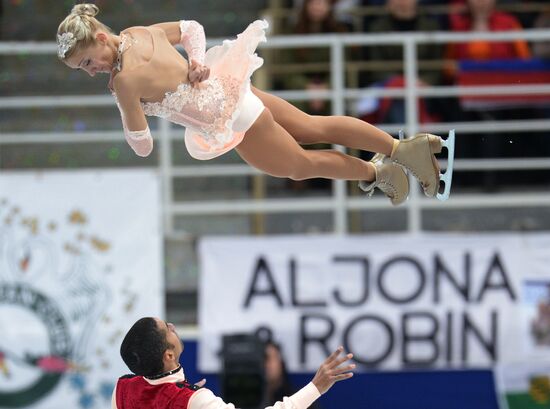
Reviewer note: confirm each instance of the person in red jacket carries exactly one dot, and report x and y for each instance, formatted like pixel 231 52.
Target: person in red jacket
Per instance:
pixel 482 16
pixel 151 349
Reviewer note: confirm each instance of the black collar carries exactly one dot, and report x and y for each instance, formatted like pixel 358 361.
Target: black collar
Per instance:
pixel 164 374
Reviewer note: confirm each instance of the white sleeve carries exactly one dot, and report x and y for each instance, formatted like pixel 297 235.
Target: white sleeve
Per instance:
pixel 113 399
pixel 205 399
pixel 140 141
pixel 193 40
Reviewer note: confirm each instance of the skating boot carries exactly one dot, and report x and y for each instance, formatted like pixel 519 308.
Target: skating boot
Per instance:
pixel 417 155
pixel 390 179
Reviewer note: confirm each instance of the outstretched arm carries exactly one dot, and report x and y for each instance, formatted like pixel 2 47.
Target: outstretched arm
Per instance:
pixel 136 129
pixel 330 372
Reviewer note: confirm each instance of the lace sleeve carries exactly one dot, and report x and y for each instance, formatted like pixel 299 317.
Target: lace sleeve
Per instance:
pixel 140 141
pixel 193 40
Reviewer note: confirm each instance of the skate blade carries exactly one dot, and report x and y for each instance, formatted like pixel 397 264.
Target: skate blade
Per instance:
pixel 447 177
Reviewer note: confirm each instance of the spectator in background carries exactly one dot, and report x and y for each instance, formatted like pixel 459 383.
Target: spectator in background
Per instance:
pixel 314 17
pixel 276 376
pixel 481 15
pixel 343 10
pixel 403 16
pixel 278 384
pixel 524 15
pixel 479 63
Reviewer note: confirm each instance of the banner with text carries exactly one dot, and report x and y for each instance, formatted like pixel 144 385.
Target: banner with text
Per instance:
pixel 394 301
pixel 80 261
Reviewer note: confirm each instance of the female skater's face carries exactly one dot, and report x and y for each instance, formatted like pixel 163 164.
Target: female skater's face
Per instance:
pixel 98 57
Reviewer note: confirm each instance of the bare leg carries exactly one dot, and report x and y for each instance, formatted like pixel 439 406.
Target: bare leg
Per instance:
pixel 269 147
pixel 341 130
pixel 416 154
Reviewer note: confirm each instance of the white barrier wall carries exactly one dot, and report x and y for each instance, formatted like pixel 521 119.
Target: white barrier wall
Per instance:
pixel 395 301
pixel 80 261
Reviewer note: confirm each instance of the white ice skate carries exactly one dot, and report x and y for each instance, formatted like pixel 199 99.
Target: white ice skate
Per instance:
pixel 417 155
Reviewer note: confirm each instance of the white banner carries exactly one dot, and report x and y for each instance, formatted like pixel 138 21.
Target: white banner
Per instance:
pixel 393 300
pixel 80 261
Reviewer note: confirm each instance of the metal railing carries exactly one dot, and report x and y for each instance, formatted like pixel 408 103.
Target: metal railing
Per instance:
pixel 340 202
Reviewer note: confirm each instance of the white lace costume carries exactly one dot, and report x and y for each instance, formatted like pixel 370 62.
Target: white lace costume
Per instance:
pixel 217 112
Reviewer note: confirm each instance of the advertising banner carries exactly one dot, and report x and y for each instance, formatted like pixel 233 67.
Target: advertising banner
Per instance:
pixel 80 261
pixel 394 301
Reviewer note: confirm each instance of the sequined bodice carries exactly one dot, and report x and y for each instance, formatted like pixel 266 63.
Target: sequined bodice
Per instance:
pixel 206 106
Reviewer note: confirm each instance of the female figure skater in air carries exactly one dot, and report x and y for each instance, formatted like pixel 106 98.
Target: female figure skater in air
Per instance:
pixel 211 95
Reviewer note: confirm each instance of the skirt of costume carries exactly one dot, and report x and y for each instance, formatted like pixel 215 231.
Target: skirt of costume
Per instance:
pixel 231 66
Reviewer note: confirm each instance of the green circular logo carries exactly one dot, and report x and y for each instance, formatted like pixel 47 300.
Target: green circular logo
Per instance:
pixel 58 340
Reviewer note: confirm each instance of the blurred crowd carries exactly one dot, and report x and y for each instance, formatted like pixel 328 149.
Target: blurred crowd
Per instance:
pixel 438 64
pixel 472 63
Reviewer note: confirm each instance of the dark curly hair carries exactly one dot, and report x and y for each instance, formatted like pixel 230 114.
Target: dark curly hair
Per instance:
pixel 143 347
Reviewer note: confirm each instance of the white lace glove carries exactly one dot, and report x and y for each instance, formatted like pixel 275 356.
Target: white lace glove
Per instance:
pixel 193 40
pixel 140 141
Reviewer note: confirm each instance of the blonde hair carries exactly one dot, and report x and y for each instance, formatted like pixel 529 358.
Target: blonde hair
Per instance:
pixel 82 24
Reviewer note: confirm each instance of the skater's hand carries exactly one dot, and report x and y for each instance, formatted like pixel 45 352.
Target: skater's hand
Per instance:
pixel 331 372
pixel 197 73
